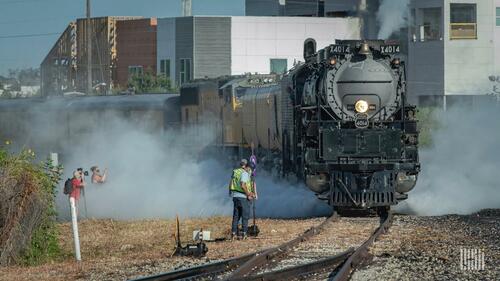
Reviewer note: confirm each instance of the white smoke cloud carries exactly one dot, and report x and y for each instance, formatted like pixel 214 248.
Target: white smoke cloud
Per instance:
pixel 160 175
pixel 392 16
pixel 460 173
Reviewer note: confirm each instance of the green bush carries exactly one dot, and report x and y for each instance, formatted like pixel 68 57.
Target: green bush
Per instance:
pixel 44 246
pixel 428 122
pixel 149 83
pixel 41 179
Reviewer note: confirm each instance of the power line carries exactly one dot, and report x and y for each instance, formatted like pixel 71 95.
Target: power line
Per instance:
pixel 29 35
pixel 29 21
pixel 20 1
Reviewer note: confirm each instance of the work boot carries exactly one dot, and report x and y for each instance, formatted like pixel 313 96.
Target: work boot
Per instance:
pixel 244 236
pixel 233 236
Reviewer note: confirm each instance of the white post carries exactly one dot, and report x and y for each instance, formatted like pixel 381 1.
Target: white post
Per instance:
pixel 74 223
pixel 54 157
pixel 187 9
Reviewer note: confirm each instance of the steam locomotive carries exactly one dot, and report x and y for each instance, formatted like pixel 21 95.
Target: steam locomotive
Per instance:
pixel 339 122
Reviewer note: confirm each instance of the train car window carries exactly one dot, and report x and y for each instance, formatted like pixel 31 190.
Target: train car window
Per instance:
pixel 189 96
pixel 278 66
pixel 240 92
pixel 221 83
pixel 227 92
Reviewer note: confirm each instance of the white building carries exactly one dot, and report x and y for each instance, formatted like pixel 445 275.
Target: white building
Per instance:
pixel 200 46
pixel 453 50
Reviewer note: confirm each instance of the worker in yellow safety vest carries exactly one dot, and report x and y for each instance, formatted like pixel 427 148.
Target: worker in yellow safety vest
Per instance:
pixel 240 189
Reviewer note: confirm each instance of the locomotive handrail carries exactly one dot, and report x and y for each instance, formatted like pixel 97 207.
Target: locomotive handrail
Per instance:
pixel 377 112
pixel 323 107
pixel 403 100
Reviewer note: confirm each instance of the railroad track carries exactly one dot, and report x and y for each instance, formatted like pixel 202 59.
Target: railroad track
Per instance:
pixel 261 265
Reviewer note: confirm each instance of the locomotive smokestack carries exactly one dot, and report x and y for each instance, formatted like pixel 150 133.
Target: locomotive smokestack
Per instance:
pixel 309 48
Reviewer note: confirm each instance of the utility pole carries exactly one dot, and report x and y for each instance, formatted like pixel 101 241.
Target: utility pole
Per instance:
pixel 187 8
pixel 89 50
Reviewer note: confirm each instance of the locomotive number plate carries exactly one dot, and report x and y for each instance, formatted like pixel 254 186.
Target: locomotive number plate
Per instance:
pixel 341 49
pixel 361 120
pixel 390 49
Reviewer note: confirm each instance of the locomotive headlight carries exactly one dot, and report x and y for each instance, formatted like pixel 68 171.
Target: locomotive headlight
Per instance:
pixel 361 106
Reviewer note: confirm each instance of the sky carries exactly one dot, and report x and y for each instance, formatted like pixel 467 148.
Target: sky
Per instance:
pixel 33 17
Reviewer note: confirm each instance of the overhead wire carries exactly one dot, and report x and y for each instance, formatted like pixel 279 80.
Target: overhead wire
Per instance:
pixel 29 35
pixel 20 21
pixel 20 1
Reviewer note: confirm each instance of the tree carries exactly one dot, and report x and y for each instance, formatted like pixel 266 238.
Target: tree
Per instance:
pixel 148 82
pixel 25 77
pixel 6 94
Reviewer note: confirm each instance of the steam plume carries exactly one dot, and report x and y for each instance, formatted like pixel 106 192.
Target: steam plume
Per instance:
pixel 158 176
pixel 392 16
pixel 460 172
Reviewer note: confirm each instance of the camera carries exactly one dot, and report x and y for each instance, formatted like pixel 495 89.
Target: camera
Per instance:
pixel 85 173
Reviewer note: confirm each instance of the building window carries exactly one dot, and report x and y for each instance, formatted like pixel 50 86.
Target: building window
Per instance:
pixel 185 73
pixel 135 70
pixel 278 66
pixel 165 68
pixel 463 21
pixel 498 16
pixel 430 24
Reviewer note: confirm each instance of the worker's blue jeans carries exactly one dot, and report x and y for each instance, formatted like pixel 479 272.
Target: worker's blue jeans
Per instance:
pixel 241 211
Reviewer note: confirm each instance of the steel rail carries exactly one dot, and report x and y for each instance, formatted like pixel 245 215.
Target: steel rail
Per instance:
pixel 344 262
pixel 250 261
pixel 264 258
pixel 344 271
pixel 301 270
pixel 205 269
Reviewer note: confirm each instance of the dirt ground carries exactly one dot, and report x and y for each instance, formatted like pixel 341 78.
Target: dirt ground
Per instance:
pixel 415 248
pixel 119 250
